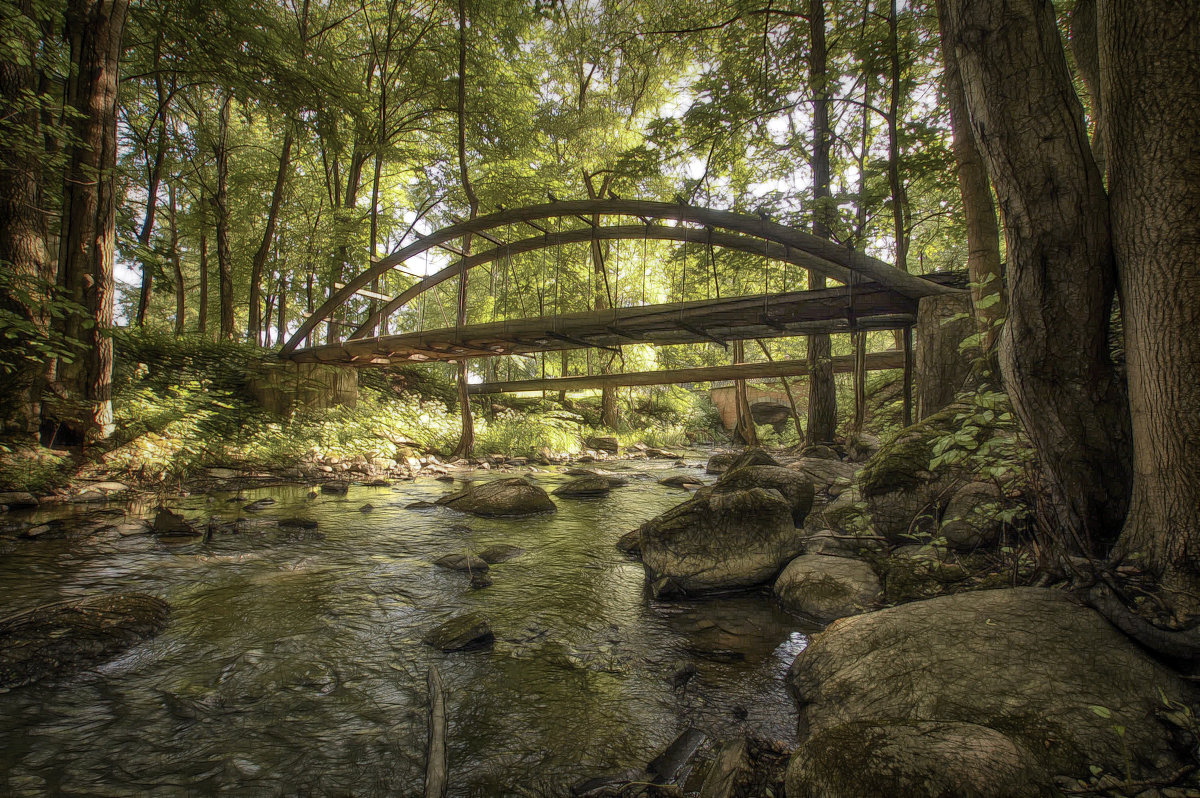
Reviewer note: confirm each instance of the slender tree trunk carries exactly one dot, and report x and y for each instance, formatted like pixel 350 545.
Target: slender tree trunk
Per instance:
pixel 202 308
pixel 176 262
pixel 1054 352
pixel 373 305
pixel 983 233
pixel 1150 68
pixel 24 257
pixel 822 395
pixel 609 416
pixel 94 29
pixel 281 314
pixel 744 431
pixel 899 195
pixel 338 268
pixel 466 440
pixel 153 180
pixel 221 204
pixel 253 327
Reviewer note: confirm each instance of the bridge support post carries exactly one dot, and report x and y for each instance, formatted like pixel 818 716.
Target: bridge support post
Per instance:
pixel 943 369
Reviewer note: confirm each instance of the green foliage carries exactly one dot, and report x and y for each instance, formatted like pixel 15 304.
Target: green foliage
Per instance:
pixel 517 433
pixel 38 471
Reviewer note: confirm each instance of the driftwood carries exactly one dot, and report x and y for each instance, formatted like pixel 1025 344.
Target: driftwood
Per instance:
pixel 435 750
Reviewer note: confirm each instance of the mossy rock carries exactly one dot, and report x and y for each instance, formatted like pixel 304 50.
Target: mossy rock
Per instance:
pixel 902 463
pixel 914 760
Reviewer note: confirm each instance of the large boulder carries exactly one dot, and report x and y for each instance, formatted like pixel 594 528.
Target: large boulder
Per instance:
pixel 500 497
pixel 591 485
pixel 1051 676
pixel 913 760
pixel 66 636
pixel 721 462
pixel 603 443
pixel 17 500
pixel 971 516
pixel 825 588
pixel 719 541
pixel 823 472
pixel 796 488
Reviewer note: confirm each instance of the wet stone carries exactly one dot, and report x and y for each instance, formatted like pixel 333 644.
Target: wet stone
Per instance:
pixel 260 504
pixel 464 633
pixel 336 488
pixel 462 562
pixel 500 552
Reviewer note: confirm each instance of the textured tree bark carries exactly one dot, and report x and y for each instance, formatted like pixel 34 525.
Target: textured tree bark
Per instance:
pixel 176 262
pixel 466 438
pixel 822 396
pixel 744 431
pixel 23 248
pixel 153 180
pixel 1150 67
pixel 253 323
pixel 609 416
pixel 1085 45
pixel 221 205
pixel 202 307
pixel 899 195
pixel 94 30
pixel 983 233
pixel 1054 355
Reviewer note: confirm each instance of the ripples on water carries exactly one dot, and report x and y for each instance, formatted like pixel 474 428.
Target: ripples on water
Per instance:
pixel 293 664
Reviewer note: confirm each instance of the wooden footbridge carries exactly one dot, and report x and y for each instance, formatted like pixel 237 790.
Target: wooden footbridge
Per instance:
pixel 872 295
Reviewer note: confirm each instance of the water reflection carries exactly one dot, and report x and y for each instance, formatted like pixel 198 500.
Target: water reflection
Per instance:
pixel 293 664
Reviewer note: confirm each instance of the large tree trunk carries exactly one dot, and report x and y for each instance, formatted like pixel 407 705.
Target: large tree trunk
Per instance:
pixel 1054 352
pixel 24 257
pixel 94 30
pixel 822 395
pixel 253 321
pixel 984 265
pixel 1150 63
pixel 466 439
pixel 221 204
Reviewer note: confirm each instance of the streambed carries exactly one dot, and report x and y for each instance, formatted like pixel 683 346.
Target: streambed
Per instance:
pixel 293 662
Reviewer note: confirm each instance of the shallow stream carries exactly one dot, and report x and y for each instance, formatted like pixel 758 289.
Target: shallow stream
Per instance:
pixel 293 662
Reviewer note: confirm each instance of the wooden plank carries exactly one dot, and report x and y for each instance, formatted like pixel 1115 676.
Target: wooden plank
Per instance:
pixel 436 775
pixel 902 282
pixel 727 319
pixel 875 361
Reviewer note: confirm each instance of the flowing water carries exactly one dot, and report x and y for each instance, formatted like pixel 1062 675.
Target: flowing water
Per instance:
pixel 293 662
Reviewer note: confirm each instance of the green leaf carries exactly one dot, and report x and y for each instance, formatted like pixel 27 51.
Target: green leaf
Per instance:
pixel 1103 712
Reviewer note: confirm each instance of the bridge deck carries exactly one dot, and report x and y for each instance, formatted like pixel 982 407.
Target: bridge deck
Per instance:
pixel 829 310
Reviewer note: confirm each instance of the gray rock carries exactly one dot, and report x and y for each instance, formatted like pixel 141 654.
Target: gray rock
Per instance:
pixel 501 497
pixel 336 488
pixel 1028 663
pixel 603 443
pixel 14 500
pixel 914 760
pixel 172 524
pixel 824 473
pixel 843 513
pixel 826 588
pixel 261 504
pixel 631 542
pixel 796 488
pixel 969 520
pixel 685 481
pixel 820 452
pixel 719 541
pixel 464 633
pixel 60 638
pixel 593 485
pixel 462 562
pixel 500 552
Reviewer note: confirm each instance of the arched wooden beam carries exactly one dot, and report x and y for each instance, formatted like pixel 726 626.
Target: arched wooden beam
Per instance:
pixel 771 249
pixel 903 283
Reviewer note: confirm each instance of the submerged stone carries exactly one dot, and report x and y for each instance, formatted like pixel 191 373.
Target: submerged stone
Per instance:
pixel 464 633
